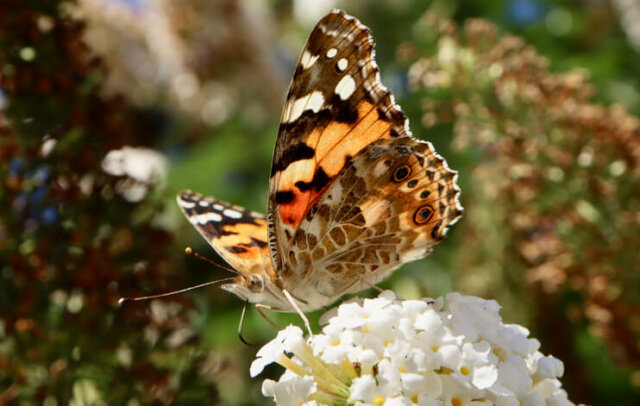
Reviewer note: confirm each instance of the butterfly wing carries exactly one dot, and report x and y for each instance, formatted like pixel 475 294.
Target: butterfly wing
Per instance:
pixel 335 107
pixel 238 235
pixel 389 205
pixel 351 194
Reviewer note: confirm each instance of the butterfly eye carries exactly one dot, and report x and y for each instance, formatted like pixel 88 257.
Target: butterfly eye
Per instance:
pixel 423 214
pixel 255 283
pixel 401 173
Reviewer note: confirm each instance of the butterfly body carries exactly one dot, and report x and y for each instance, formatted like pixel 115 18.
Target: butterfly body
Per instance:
pixel 352 195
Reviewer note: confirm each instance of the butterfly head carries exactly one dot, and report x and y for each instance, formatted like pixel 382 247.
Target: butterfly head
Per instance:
pixel 255 283
pixel 257 288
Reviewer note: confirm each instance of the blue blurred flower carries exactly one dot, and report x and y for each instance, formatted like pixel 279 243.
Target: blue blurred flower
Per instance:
pixel 41 174
pixel 38 195
pixel 49 215
pixel 525 12
pixel 16 166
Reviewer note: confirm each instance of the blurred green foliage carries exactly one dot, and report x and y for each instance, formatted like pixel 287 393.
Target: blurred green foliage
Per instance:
pixel 553 240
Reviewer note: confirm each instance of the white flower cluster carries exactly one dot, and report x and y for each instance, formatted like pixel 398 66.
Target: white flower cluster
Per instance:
pixel 387 351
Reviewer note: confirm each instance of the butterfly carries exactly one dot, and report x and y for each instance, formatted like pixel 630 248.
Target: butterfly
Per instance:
pixel 352 195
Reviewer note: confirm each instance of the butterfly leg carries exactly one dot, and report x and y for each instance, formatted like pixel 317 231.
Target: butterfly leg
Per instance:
pixel 304 318
pixel 371 285
pixel 244 311
pixel 259 308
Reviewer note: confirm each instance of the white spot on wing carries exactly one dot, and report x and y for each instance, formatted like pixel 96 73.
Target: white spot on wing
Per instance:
pixel 234 214
pixel 218 207
pixel 294 109
pixel 342 64
pixel 331 53
pixel 308 60
pixel 380 169
pixel 335 195
pixel 203 203
pixel 204 218
pixel 187 205
pixel 346 87
pixel 314 227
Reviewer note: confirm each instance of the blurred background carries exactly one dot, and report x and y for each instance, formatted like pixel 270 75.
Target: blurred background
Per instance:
pixel 109 107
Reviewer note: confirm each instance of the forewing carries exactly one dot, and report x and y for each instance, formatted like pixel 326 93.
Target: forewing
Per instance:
pixel 335 107
pixel 238 235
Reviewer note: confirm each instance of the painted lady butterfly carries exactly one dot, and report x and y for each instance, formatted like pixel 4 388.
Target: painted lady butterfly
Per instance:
pixel 352 195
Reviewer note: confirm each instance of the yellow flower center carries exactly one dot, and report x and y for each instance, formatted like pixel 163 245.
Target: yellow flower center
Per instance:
pixel 465 371
pixel 444 371
pixel 378 401
pixel 456 402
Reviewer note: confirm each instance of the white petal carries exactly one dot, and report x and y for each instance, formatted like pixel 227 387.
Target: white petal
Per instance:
pixel 413 308
pixel 389 378
pixel 257 366
pixel 532 399
pixel 290 391
pixel 559 399
pixel 450 356
pixel 550 367
pixel 366 357
pixel 397 401
pixel 428 384
pixel 484 377
pixel 271 351
pixel 512 374
pixel 363 388
pixel 547 387
pixel 268 387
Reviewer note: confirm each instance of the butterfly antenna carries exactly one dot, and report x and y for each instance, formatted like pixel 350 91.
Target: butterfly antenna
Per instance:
pixel 190 251
pixel 175 292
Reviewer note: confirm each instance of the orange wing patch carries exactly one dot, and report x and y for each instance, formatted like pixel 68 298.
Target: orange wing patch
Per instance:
pixel 247 240
pixel 238 235
pixel 334 144
pixel 337 141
